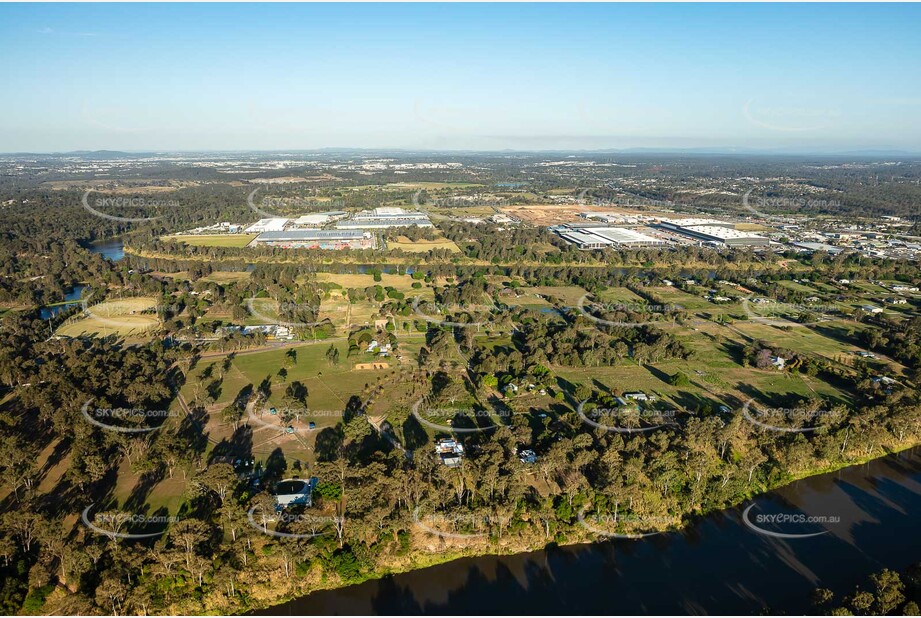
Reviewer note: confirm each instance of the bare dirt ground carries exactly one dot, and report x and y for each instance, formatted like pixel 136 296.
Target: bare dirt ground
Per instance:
pixel 360 366
pixel 554 214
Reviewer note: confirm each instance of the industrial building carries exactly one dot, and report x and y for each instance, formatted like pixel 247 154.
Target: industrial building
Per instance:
pixel 716 233
pixel 319 219
pixel 817 246
pixel 267 225
pixel 587 236
pixel 317 239
pixel 384 218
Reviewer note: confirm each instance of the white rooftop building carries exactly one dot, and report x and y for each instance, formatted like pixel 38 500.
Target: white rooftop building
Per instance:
pixel 385 217
pixel 588 236
pixel 267 225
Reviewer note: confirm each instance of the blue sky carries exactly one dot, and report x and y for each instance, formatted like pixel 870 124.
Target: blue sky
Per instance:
pixel 808 77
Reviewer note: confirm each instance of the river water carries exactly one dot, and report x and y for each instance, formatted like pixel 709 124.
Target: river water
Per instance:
pixel 113 249
pixel 717 565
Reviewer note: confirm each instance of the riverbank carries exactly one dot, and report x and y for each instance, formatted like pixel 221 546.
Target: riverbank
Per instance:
pixel 574 538
pixel 309 257
pixel 715 564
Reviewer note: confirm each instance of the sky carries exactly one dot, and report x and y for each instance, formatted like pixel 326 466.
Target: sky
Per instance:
pixel 187 77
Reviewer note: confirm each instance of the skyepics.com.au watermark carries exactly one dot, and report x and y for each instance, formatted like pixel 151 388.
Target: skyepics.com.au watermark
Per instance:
pixel 141 204
pixel 624 525
pixel 620 202
pixel 126 420
pixel 270 204
pixel 420 201
pixel 441 416
pixel 788 525
pixel 114 523
pixel 784 205
pixel 629 418
pixel 787 118
pixel 452 314
pixel 469 412
pixel 301 202
pixel 287 314
pixel 289 419
pixel 459 526
pixel 134 313
pixel 759 309
pixel 290 525
pixel 627 314
pixel 789 420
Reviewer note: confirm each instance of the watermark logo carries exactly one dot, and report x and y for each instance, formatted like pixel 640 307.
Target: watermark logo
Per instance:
pixel 424 414
pixel 457 201
pixel 289 418
pixel 284 308
pixel 632 416
pixel 441 308
pixel 788 119
pixel 583 199
pixel 276 202
pixel 104 417
pixel 769 305
pixel 775 419
pixel 130 312
pixel 784 204
pixel 445 525
pixel 315 525
pixel 125 202
pixel 757 522
pixel 605 525
pixel 627 308
pixel 263 213
pixel 110 523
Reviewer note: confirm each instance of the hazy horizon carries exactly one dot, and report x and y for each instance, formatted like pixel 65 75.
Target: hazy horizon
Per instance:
pixel 787 79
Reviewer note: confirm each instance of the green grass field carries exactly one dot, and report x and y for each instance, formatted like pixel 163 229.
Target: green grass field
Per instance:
pixel 212 240
pixel 126 317
pixel 568 294
pixel 797 287
pixel 620 295
pixel 402 283
pixel 422 246
pixel 666 295
pixel 329 389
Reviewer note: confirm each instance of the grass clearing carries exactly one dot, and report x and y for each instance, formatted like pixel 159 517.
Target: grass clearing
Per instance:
pixel 621 295
pixel 329 389
pixel 212 240
pixel 402 283
pixel 568 294
pixel 124 317
pixel 422 246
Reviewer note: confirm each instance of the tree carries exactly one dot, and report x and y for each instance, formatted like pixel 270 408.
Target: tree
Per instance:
pixel 889 591
pixel 218 479
pixel 188 535
pixel 111 592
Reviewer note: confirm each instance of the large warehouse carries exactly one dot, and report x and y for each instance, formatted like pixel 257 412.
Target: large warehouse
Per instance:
pixel 587 236
pixel 317 239
pixel 272 224
pixel 384 218
pixel 722 234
